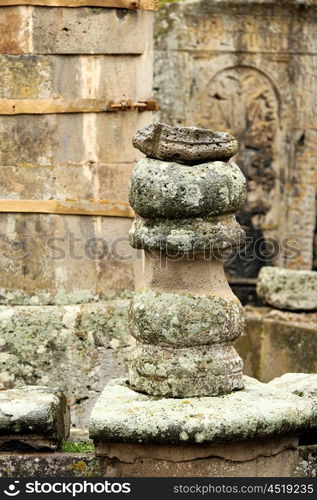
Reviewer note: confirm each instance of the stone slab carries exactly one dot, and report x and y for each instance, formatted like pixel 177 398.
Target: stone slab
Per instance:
pixel 38 30
pixel 107 77
pixel 69 138
pixel 276 342
pixel 79 348
pixel 50 465
pixel 98 181
pixel 257 411
pixel 287 288
pixel 189 145
pixel 33 416
pixel 257 458
pixel 218 31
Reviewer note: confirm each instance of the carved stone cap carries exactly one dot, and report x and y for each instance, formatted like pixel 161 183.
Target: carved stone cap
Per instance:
pixel 189 145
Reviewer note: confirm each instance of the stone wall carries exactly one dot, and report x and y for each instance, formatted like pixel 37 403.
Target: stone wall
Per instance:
pixel 66 152
pixel 249 66
pixel 64 66
pixel 76 347
pixel 276 342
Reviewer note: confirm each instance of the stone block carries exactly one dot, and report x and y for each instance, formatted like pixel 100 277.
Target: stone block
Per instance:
pixel 79 348
pixel 63 139
pixel 173 190
pixel 98 181
pixel 252 432
pixel 277 342
pixel 33 417
pixel 188 145
pixel 257 411
pixel 212 27
pixel 288 289
pixel 262 458
pixel 60 259
pixel 106 77
pixel 57 464
pixel 38 30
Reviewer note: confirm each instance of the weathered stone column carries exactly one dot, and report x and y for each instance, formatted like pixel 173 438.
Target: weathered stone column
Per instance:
pixel 185 317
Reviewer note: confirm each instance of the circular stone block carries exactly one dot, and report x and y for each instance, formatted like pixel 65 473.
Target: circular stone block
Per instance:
pixel 186 235
pixel 186 372
pixel 164 189
pixel 188 145
pixel 172 319
pixel 288 289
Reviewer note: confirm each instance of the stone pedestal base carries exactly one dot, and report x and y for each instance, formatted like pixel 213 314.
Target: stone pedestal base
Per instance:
pixel 253 432
pixel 263 458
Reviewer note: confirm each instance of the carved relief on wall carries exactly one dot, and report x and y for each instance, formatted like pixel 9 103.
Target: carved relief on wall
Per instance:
pixel 243 100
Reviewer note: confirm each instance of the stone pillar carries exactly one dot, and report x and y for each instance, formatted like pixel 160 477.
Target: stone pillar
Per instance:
pixel 185 316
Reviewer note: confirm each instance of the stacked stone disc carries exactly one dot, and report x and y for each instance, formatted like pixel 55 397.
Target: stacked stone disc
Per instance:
pixel 184 316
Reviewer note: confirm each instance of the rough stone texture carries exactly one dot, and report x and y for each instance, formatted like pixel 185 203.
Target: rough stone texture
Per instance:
pixel 70 55
pixel 98 181
pixel 64 259
pixel 186 235
pixel 50 465
pixel 107 77
pixel 262 458
pixel 267 458
pixel 171 359
pixel 307 463
pixel 257 411
pixel 60 30
pixel 69 139
pixel 178 372
pixel 189 145
pixel 277 342
pixel 172 190
pixel 249 67
pixel 288 289
pixel 76 347
pixel 171 319
pixel 35 417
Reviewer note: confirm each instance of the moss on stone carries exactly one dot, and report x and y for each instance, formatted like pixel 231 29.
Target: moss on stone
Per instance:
pixel 77 447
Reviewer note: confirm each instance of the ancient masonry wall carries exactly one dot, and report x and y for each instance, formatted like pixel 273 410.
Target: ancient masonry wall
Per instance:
pixel 249 66
pixel 75 84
